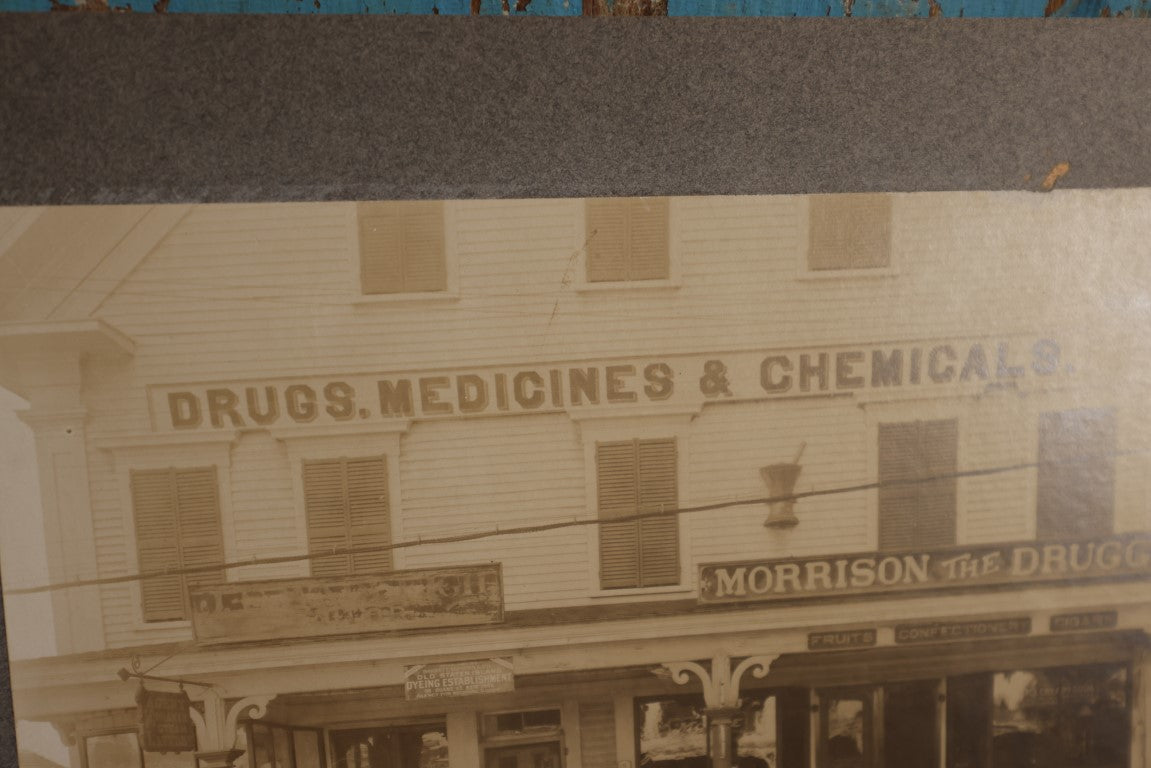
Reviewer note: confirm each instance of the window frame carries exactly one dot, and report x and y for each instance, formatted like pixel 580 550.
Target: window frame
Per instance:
pixel 878 412
pixel 1111 523
pixel 319 443
pixel 916 544
pixel 347 527
pixel 152 451
pixel 804 272
pixel 451 262
pixel 588 287
pixel 603 425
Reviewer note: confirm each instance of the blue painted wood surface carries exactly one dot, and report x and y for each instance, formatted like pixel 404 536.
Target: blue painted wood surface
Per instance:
pixel 731 8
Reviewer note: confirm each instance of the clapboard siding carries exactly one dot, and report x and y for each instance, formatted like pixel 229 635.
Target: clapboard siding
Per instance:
pixel 265 518
pixel 463 477
pixel 264 291
pixel 728 447
pixel 597 734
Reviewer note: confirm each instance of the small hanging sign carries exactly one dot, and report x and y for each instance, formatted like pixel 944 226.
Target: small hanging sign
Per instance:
pixel 165 721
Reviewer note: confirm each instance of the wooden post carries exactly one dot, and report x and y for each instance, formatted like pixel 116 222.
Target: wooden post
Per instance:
pixel 722 726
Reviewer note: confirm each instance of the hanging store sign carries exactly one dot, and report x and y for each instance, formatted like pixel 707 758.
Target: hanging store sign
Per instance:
pixel 944 631
pixel 460 678
pixel 165 721
pixel 686 380
pixel 1116 557
pixel 420 599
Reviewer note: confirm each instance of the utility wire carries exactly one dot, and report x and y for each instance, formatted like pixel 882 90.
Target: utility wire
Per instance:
pixel 524 529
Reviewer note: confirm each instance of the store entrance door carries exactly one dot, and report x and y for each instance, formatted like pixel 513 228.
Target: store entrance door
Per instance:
pixel 525 756
pixel 889 726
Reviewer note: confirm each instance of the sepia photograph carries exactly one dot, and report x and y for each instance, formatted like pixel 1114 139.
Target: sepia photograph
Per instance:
pixel 853 480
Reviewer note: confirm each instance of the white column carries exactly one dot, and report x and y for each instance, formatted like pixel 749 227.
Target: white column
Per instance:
pixel 464 740
pixel 624 731
pixel 57 419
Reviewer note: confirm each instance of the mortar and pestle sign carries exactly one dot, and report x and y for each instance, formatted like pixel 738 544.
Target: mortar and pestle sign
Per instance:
pixel 781 479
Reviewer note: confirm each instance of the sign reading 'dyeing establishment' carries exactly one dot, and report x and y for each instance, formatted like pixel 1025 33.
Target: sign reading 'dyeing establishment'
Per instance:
pixel 292 608
pixel 687 380
pixel 1114 557
pixel 460 678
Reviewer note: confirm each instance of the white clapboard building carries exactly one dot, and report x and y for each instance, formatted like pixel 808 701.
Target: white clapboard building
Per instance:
pixel 848 481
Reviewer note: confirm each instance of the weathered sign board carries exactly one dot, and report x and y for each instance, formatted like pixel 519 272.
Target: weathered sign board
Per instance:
pixel 945 631
pixel 1114 557
pixel 838 640
pixel 1082 622
pixel 295 608
pixel 459 678
pixel 165 721
pixel 966 364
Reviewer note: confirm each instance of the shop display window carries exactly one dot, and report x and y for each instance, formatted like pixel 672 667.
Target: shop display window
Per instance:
pixel 1074 717
pixel 122 750
pixel 406 746
pixel 672 732
pixel 1066 717
pixel 268 745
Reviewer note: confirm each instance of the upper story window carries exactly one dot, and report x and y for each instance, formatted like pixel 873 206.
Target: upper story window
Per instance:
pixel 916 510
pixel 177 513
pixel 849 232
pixel 627 239
pixel 346 504
pixel 1076 489
pixel 634 476
pixel 402 247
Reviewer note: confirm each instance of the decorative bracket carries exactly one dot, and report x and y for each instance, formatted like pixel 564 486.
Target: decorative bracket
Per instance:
pixel 216 727
pixel 721 682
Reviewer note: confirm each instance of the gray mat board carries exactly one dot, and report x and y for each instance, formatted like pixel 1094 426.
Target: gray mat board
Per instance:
pixel 108 108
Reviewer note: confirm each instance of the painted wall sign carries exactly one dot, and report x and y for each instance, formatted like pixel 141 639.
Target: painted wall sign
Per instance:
pixel 1078 622
pixel 841 639
pixel 684 379
pixel 292 608
pixel 943 631
pixel 460 678
pixel 165 722
pixel 878 572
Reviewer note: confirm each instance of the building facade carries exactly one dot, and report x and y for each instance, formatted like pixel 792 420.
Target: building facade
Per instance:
pixel 850 481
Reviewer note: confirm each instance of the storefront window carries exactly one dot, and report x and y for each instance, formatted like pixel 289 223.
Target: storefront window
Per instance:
pixel 268 745
pixel 122 750
pixel 409 746
pixel 112 750
pixel 1073 717
pixel 847 727
pixel 673 732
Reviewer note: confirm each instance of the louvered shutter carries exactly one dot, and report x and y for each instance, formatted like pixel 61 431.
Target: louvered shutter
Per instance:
pixel 201 540
pixel 346 504
pixel 659 537
pixel 918 513
pixel 938 448
pixel 606 240
pixel 402 247
pixel 648 239
pixel 618 495
pixel 369 518
pixel 157 546
pixel 177 526
pixel 637 476
pixel 425 268
pixel 325 506
pixel 1076 477
pixel 849 231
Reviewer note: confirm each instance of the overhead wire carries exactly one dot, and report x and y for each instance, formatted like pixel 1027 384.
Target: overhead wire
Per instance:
pixel 533 528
